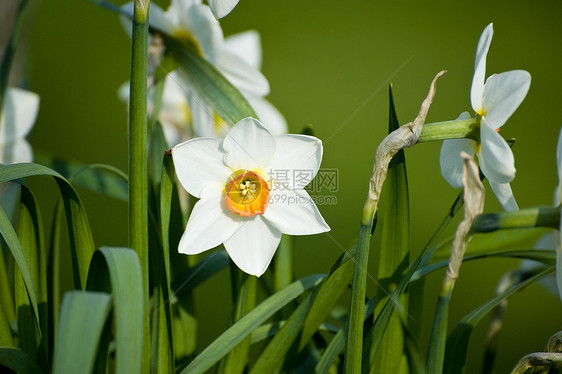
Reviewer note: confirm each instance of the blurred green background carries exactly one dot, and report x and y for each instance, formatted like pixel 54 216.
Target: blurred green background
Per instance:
pixel 329 64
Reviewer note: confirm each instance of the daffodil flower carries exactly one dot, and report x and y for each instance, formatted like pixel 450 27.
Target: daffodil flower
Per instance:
pixel 221 8
pixel 249 192
pixel 247 46
pixel 494 101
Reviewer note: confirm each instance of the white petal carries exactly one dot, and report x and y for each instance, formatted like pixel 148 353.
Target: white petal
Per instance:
pixel 222 7
pixel 210 224
pixel 558 192
pixel 270 117
pixel 503 93
pixel 247 79
pixel 247 45
pixel 198 20
pixel 296 160
pixel 199 164
pixel 495 156
pixel 18 114
pixel 477 89
pixel 252 247
pixel 451 161
pixel 123 92
pixel 293 212
pixel 16 152
pixel 505 196
pixel 248 145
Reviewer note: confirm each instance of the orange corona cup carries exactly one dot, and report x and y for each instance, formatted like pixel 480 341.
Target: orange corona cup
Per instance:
pixel 247 193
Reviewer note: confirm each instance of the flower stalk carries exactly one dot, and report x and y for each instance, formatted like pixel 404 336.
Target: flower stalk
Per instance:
pixel 524 218
pixel 403 137
pixel 138 155
pixel 455 129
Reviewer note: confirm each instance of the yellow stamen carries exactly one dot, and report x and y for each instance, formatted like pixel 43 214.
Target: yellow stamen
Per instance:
pixel 247 193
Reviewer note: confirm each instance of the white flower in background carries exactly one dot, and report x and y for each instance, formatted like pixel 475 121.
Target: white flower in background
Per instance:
pixel 494 101
pixel 247 46
pixel 18 116
pixel 249 192
pixel 237 57
pixel 221 8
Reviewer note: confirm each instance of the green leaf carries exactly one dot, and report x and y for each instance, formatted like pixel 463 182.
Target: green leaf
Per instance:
pixel 457 343
pixel 10 237
pixel 99 178
pixel 5 331
pixel 123 267
pixel 81 241
pixel 493 242
pixel 373 337
pixel 30 232
pixel 18 361
pixel 244 327
pixel 546 256
pixel 394 254
pixel 164 337
pixel 82 319
pixel 215 89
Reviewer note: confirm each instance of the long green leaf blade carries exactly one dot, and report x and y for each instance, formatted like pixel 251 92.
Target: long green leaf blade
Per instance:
pixel 237 332
pixel 457 343
pixel 82 319
pixel 82 243
pixel 18 361
pixel 394 254
pixel 124 271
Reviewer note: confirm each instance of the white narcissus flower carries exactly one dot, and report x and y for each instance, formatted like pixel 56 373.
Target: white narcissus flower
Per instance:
pixel 238 58
pixel 249 192
pixel 18 116
pixel 494 101
pixel 221 8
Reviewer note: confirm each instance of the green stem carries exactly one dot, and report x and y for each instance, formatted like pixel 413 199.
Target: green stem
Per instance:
pixel 138 151
pixel 9 53
pixel 466 128
pixel 354 347
pixel 524 218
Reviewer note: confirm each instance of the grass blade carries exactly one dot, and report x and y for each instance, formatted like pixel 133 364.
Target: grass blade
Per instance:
pixel 123 267
pixel 457 342
pixel 99 178
pixel 243 328
pixel 394 254
pixel 18 361
pixel 82 243
pixel 77 342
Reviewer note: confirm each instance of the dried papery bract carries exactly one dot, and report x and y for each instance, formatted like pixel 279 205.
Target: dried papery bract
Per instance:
pixel 403 137
pixel 474 205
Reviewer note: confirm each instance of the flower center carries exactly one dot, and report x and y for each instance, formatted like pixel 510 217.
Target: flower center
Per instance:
pixel 247 193
pixel 186 37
